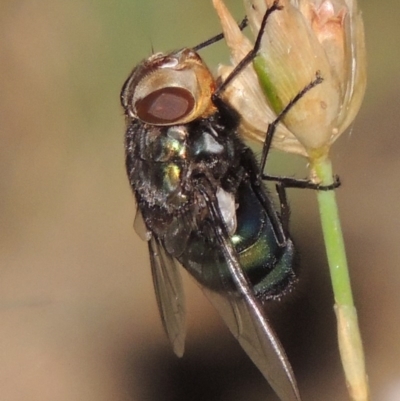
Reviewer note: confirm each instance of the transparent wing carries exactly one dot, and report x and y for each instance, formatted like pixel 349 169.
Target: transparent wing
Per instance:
pixel 246 319
pixel 169 293
pixel 248 324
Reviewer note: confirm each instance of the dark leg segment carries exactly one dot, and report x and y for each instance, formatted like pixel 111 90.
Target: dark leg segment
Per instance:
pixel 218 37
pixel 272 127
pixel 289 182
pixel 251 167
pixel 251 54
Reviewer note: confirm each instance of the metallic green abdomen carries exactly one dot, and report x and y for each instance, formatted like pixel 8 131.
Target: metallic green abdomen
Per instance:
pixel 267 266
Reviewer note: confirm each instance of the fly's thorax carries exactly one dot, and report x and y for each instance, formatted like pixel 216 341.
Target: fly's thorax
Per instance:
pixel 166 163
pixel 155 159
pixel 164 145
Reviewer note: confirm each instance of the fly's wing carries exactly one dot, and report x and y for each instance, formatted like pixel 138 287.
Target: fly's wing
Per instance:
pixel 246 320
pixel 169 293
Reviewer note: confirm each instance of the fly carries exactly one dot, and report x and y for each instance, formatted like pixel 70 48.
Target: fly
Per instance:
pixel 202 204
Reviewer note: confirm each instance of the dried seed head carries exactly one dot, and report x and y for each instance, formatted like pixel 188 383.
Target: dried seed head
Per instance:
pixel 304 37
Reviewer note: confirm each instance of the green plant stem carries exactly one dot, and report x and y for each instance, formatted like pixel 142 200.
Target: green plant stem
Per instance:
pixel 350 344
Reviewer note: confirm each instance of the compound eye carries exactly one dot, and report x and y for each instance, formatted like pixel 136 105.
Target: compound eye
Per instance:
pixel 165 105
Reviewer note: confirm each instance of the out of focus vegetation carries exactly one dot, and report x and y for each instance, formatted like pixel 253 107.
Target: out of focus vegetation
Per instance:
pixel 78 319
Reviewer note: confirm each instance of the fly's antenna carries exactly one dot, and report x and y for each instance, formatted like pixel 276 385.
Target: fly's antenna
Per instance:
pixel 219 37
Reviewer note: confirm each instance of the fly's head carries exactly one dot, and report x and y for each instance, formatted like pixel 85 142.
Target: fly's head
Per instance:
pixel 169 89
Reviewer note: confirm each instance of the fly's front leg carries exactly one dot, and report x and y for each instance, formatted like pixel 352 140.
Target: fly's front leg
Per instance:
pixel 251 54
pixel 243 24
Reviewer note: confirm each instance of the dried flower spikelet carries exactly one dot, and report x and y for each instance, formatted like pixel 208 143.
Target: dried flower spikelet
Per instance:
pixel 245 94
pixel 290 56
pixel 306 37
pixel 339 27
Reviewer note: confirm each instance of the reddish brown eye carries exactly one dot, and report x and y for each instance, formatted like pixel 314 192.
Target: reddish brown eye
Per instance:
pixel 165 105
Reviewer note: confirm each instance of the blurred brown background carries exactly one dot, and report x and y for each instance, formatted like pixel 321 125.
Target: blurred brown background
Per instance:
pixel 78 318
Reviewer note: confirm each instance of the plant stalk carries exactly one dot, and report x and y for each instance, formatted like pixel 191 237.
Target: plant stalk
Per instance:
pixel 349 338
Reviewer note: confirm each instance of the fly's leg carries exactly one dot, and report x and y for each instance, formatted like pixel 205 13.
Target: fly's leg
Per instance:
pixel 243 24
pixel 284 206
pixel 290 182
pixel 272 126
pixel 278 225
pixel 251 54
